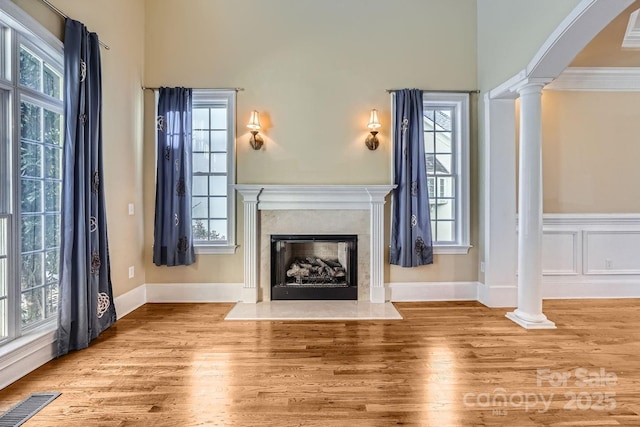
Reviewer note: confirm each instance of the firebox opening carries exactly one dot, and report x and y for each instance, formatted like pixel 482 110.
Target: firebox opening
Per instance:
pixel 307 267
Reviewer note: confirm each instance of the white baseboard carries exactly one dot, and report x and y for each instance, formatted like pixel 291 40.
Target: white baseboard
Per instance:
pixel 602 288
pixel 131 300
pixel 193 292
pixel 433 291
pixel 497 296
pixel 564 287
pixel 25 355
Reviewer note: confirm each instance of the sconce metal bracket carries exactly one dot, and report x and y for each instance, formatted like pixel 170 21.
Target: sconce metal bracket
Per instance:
pixel 256 140
pixel 372 140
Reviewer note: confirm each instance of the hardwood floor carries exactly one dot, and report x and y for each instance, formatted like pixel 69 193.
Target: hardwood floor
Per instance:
pixel 445 364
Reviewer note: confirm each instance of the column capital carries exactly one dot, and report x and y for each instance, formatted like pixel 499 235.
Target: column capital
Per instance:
pixel 530 85
pixel 249 193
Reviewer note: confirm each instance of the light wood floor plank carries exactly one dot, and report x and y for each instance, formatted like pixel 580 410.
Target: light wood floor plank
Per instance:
pixel 445 364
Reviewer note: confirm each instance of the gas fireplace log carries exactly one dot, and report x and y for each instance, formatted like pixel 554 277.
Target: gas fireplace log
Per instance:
pixel 333 263
pixel 329 271
pixel 316 270
pixel 298 272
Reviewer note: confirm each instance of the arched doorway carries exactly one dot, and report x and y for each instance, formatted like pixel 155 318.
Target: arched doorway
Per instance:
pixel 501 239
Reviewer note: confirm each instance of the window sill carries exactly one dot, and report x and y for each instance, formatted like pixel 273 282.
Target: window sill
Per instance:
pixel 15 348
pixel 216 249
pixel 451 249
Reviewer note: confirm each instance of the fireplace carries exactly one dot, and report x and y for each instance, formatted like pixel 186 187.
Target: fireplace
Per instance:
pixel 314 267
pixel 313 209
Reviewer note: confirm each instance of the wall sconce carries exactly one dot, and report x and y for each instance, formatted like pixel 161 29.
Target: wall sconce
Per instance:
pixel 374 124
pixel 256 140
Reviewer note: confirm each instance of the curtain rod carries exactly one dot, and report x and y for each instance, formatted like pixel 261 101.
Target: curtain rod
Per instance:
pixel 237 89
pixel 65 16
pixel 435 91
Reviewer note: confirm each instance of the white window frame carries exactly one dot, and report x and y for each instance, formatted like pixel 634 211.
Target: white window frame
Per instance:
pixel 460 103
pixel 212 96
pixel 22 29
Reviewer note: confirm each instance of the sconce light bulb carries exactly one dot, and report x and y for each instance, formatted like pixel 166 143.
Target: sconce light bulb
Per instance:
pixel 254 121
pixel 374 123
pixel 256 140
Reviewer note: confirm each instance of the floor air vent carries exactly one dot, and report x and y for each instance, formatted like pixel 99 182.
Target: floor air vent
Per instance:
pixel 26 409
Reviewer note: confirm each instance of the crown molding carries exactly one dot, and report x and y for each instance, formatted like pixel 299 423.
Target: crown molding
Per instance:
pixel 597 79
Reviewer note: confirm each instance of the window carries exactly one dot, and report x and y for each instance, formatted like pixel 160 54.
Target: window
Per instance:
pixel 213 192
pixel 31 143
pixel 446 143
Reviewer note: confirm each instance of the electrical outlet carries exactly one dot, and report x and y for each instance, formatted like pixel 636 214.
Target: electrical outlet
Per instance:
pixel 482 266
pixel 131 209
pixel 608 264
pixel 132 272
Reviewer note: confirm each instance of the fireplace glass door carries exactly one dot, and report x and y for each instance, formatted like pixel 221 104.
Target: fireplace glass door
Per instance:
pixel 314 267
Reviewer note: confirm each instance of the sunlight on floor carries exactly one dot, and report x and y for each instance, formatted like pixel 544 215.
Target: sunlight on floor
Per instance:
pixel 441 388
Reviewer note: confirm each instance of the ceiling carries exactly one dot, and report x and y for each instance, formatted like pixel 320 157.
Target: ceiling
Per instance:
pixel 605 50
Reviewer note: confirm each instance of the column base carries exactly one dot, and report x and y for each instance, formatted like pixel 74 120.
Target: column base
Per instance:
pixel 541 322
pixel 378 295
pixel 250 295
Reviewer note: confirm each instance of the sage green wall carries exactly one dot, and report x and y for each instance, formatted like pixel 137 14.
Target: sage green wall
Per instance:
pixel 314 69
pixel 120 24
pixel 510 32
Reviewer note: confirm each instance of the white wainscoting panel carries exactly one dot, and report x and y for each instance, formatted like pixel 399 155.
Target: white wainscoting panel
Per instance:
pixel 591 256
pixel 560 249
pixel 612 252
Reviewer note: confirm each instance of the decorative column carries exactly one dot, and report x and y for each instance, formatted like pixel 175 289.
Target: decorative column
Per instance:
pixel 529 312
pixel 250 288
pixel 376 255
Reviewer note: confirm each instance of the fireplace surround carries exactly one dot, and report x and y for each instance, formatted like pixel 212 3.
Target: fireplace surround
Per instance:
pixel 313 209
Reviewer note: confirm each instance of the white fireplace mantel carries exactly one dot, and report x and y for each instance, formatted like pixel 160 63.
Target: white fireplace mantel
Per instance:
pixel 295 197
pixel 306 197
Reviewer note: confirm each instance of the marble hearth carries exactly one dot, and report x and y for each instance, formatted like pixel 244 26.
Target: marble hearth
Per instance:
pixel 313 209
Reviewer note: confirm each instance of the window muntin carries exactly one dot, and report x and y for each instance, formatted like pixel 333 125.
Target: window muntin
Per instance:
pixel 36 72
pixel 213 193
